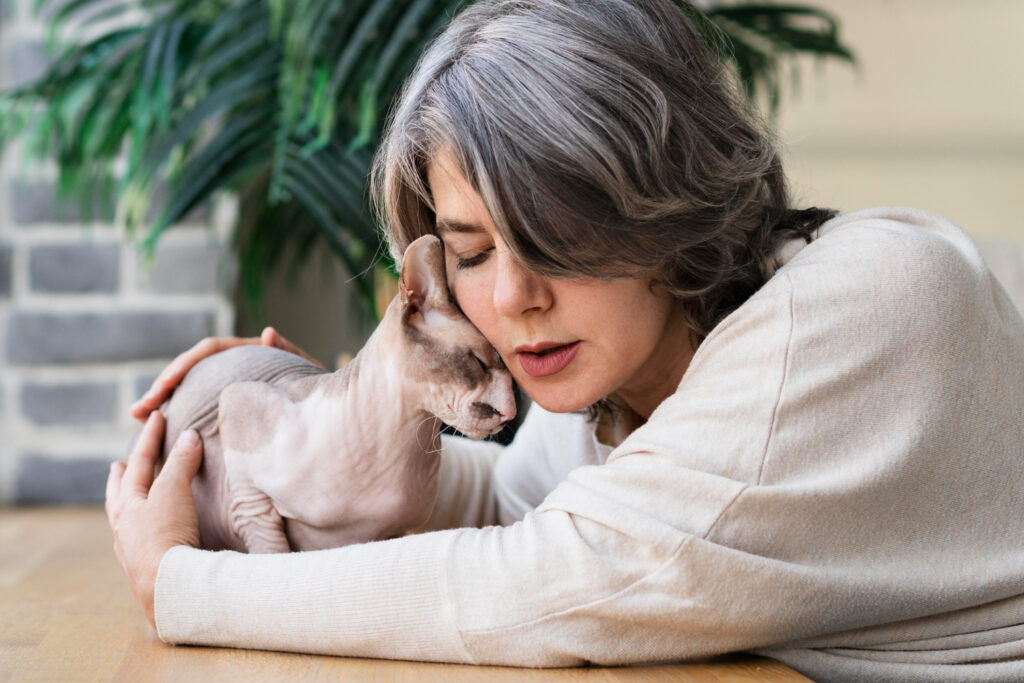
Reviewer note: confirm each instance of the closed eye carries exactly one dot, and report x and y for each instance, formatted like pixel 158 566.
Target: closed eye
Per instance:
pixel 483 365
pixel 461 263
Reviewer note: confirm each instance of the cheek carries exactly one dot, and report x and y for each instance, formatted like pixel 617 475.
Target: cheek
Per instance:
pixel 473 296
pixel 640 316
pixel 653 310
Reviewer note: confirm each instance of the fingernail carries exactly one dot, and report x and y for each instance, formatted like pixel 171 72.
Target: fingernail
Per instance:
pixel 188 439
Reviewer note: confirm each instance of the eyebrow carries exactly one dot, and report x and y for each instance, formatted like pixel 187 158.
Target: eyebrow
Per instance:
pixel 452 225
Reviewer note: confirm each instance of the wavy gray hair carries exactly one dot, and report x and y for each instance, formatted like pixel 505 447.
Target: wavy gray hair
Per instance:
pixel 606 139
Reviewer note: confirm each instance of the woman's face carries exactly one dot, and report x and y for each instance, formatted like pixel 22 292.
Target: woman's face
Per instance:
pixel 609 337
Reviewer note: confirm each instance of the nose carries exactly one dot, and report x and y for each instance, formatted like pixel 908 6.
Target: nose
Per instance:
pixel 518 290
pixel 485 411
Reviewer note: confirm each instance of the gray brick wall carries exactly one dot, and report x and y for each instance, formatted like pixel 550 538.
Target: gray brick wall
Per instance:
pixel 5 270
pixel 71 405
pixel 41 479
pixel 36 337
pixel 85 324
pixel 34 202
pixel 70 268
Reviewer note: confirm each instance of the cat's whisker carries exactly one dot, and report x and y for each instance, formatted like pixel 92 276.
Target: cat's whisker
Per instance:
pixel 422 422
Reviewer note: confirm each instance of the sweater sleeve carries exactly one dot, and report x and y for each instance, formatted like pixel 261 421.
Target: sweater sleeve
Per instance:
pixel 483 483
pixel 786 491
pixel 465 495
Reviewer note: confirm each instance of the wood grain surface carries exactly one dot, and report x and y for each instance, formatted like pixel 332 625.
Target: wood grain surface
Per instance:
pixel 66 615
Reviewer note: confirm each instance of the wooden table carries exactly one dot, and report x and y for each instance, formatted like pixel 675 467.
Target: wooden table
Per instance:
pixel 66 615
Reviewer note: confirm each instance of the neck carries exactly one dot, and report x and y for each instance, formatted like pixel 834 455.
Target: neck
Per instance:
pixel 662 372
pixel 384 408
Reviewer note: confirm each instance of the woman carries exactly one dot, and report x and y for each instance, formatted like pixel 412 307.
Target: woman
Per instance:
pixel 754 428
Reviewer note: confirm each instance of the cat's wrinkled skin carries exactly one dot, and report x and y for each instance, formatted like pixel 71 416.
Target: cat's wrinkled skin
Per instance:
pixel 295 458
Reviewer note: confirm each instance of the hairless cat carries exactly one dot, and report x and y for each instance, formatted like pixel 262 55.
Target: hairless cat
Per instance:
pixel 297 458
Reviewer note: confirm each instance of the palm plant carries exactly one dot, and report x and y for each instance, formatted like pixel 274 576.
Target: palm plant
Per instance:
pixel 280 101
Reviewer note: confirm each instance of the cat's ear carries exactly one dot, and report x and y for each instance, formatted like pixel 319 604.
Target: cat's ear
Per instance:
pixel 423 283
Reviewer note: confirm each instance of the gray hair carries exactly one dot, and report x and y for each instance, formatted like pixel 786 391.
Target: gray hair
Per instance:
pixel 606 139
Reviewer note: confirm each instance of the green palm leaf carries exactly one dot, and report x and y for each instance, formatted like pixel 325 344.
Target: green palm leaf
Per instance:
pixel 280 101
pixel 759 37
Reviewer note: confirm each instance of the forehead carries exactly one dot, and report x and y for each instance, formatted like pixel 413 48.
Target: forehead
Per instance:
pixel 457 206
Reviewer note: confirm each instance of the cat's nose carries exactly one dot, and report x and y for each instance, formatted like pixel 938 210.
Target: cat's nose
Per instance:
pixel 484 411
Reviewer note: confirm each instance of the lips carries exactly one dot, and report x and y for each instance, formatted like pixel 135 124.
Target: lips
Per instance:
pixel 546 358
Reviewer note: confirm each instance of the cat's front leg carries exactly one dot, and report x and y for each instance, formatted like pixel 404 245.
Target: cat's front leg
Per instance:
pixel 255 520
pixel 249 416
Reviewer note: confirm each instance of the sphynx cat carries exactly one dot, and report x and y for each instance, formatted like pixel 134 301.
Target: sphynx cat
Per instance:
pixel 297 458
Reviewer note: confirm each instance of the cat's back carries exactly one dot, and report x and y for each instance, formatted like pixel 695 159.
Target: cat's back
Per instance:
pixel 197 395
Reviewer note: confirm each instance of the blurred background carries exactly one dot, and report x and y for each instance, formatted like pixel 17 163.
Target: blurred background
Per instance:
pixel 929 117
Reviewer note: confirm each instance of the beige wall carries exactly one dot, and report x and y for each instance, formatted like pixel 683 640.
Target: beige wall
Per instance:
pixel 934 118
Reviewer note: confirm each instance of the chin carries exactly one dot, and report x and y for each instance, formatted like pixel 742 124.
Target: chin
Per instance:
pixel 558 400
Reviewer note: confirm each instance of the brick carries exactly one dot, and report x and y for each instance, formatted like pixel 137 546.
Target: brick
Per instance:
pixel 44 480
pixel 35 201
pixel 34 337
pixel 25 62
pixel 80 404
pixel 182 268
pixel 76 268
pixel 5 270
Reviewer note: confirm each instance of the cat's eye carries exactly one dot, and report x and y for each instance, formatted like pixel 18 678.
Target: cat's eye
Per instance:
pixel 477 358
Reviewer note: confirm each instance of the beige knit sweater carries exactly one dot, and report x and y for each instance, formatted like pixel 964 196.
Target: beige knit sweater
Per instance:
pixel 838 483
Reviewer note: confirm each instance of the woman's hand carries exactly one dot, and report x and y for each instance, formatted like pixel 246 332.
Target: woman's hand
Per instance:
pixel 150 517
pixel 172 375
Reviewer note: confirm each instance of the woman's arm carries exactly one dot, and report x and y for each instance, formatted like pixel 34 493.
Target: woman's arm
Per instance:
pixel 483 483
pixel 466 495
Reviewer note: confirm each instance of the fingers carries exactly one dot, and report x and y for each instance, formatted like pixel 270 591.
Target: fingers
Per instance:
pixel 270 337
pixel 182 462
pixel 176 370
pixel 138 475
pixel 113 489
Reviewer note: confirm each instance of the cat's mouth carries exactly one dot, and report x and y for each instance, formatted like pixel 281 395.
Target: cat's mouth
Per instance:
pixel 485 420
